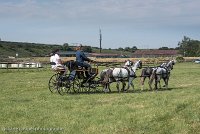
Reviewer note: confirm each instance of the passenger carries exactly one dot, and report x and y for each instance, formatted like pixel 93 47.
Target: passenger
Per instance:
pixel 56 62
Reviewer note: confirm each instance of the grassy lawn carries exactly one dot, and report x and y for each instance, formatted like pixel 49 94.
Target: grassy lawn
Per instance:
pixel 28 105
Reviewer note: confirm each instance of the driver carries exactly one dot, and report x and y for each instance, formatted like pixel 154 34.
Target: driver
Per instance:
pixel 81 58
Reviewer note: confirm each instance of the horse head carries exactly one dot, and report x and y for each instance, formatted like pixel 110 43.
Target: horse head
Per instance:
pixel 170 65
pixel 128 63
pixel 163 65
pixel 138 64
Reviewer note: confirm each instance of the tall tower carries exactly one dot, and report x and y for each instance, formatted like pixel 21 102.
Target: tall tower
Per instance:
pixel 100 38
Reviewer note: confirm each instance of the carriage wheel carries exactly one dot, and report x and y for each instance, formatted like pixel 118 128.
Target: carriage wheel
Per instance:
pixel 63 85
pixel 95 86
pixel 53 83
pixel 77 87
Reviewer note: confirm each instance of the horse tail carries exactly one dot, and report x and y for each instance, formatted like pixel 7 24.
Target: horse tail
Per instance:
pixel 105 75
pixel 102 75
pixel 153 75
pixel 143 72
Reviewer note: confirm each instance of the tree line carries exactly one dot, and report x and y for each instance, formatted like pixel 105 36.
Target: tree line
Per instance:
pixel 189 47
pixel 186 47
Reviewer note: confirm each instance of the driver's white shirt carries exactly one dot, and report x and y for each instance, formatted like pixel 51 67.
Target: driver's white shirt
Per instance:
pixel 55 58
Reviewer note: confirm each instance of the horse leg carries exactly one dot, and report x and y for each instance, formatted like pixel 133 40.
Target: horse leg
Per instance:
pixel 109 88
pixel 157 80
pixel 123 86
pixel 104 87
pixel 118 86
pixel 156 83
pixel 131 82
pixel 151 78
pixel 159 85
pixel 142 82
pixel 150 83
pixel 128 85
pixel 166 83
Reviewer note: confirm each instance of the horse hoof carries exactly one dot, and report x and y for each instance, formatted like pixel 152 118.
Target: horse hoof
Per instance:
pixel 106 90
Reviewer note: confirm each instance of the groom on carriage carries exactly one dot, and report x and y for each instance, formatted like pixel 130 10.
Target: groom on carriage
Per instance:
pixel 56 62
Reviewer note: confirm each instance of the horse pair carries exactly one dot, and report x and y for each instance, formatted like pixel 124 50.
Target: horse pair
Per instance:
pixel 120 74
pixel 157 73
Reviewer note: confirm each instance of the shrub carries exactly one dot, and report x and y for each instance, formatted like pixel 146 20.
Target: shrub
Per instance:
pixel 180 59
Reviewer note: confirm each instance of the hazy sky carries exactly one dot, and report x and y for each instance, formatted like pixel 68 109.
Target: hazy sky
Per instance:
pixel 141 23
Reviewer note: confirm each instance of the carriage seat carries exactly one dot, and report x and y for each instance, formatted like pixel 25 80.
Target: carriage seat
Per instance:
pixel 58 69
pixel 81 68
pixel 52 63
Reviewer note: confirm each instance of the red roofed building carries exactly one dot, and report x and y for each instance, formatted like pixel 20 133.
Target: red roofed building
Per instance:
pixel 152 53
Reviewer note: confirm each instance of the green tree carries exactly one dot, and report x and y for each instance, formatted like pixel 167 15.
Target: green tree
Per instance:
pixel 188 47
pixel 127 49
pixel 87 49
pixel 66 47
pixel 134 48
pixel 120 49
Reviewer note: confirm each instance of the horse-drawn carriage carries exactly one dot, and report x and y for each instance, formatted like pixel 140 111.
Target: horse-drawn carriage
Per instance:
pixel 76 80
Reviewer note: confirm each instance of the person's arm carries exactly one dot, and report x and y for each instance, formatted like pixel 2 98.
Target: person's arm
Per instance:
pixel 84 57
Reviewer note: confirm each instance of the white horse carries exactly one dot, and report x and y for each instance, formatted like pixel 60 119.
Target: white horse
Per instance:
pixel 120 74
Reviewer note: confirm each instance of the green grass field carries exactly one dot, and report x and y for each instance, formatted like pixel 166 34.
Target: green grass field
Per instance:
pixel 27 106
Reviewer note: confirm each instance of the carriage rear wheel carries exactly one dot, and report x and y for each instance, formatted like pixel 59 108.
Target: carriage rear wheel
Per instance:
pixel 53 83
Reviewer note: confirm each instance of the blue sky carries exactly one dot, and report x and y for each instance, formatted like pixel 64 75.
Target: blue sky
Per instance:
pixel 124 23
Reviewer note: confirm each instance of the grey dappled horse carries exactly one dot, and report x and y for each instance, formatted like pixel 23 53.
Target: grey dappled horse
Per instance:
pixel 147 72
pixel 120 74
pixel 162 72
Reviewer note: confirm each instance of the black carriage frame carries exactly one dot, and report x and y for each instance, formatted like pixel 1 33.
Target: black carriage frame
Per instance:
pixel 75 81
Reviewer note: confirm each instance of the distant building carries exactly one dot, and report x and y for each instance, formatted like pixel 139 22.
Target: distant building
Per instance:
pixel 68 54
pixel 153 53
pixel 104 55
